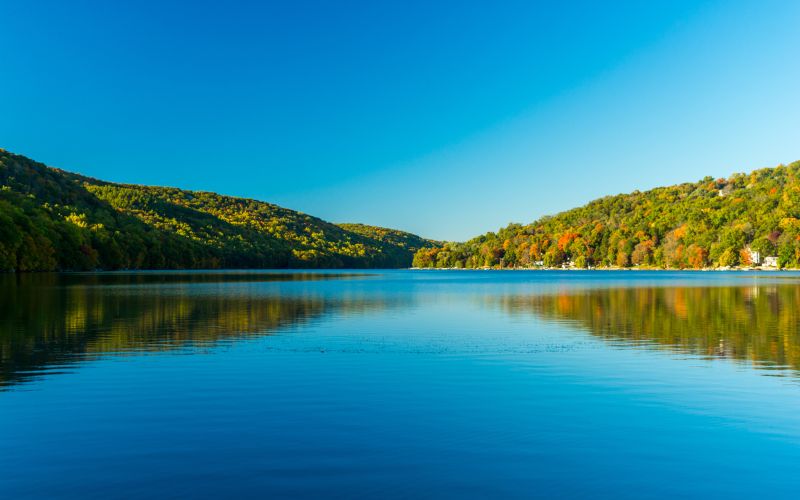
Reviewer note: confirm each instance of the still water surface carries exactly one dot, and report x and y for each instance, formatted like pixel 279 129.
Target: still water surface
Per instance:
pixel 400 384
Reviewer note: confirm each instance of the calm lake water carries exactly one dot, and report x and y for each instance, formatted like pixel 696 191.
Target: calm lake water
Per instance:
pixel 400 384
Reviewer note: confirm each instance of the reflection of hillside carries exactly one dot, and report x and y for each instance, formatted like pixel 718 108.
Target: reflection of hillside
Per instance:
pixel 48 321
pixel 171 277
pixel 760 324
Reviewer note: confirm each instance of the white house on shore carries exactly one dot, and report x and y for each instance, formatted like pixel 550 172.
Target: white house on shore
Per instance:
pixel 764 261
pixel 770 261
pixel 755 257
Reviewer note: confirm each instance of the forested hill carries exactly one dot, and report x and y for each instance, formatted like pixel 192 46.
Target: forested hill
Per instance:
pixel 732 222
pixel 393 237
pixel 55 220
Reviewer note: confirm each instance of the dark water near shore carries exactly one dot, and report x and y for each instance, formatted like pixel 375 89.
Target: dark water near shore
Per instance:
pixel 400 384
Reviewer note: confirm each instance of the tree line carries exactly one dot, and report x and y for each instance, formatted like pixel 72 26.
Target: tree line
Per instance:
pixel 708 224
pixel 52 220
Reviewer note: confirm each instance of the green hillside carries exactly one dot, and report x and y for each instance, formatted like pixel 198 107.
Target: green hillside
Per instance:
pixel 393 237
pixel 710 223
pixel 55 220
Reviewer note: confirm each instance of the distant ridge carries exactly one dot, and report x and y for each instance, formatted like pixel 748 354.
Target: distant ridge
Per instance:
pixel 52 220
pixel 746 220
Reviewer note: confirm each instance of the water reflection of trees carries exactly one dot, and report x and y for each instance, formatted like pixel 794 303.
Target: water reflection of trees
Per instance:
pixel 48 321
pixel 760 324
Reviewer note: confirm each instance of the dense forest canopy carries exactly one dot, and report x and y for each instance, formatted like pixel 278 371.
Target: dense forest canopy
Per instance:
pixel 55 220
pixel 390 236
pixel 741 221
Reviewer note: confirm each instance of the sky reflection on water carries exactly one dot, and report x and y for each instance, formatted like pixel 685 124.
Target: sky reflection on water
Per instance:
pixel 400 383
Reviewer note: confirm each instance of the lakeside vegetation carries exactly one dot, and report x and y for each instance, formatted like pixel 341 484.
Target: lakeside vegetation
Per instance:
pixel 713 223
pixel 52 220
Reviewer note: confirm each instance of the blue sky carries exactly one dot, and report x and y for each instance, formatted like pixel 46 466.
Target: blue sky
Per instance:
pixel 448 119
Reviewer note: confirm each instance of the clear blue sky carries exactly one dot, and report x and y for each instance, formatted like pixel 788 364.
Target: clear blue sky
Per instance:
pixel 448 119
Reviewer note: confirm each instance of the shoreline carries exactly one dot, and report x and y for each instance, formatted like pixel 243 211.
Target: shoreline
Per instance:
pixel 631 269
pixel 368 269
